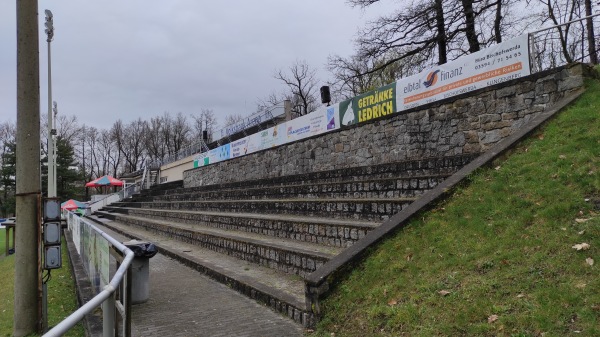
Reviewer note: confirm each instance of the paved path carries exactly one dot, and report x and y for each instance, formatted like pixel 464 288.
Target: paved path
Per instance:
pixel 184 302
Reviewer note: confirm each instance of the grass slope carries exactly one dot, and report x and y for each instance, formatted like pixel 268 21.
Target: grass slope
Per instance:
pixel 62 300
pixel 496 258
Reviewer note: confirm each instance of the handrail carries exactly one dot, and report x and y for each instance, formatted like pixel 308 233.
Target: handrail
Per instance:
pixel 69 322
pixel 143 178
pixel 562 24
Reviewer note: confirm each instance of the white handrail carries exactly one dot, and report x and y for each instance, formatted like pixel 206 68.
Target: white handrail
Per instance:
pixel 105 295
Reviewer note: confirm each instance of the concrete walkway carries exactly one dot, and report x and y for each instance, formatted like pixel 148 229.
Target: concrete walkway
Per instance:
pixel 184 302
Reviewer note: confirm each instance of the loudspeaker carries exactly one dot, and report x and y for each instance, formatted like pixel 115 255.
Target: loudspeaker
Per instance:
pixel 325 95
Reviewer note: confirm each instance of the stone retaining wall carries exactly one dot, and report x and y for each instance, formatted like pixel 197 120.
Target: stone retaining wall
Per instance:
pixel 469 123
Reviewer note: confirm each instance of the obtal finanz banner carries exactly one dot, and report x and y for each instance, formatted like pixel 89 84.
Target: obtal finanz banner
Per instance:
pixel 499 63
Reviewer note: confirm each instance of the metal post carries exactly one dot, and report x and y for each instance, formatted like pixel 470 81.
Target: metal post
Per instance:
pixel 51 145
pixel 44 307
pixel 287 108
pixel 27 309
pixel 108 316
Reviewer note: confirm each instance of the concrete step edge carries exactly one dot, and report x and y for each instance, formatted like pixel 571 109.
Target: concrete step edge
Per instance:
pixel 262 216
pixel 320 251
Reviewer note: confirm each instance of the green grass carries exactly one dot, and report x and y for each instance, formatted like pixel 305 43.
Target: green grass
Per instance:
pixel 2 242
pixel 61 295
pixel 500 245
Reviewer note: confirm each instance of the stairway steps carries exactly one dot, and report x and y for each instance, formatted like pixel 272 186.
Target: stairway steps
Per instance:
pixel 290 256
pixel 375 209
pixel 347 189
pixel 410 168
pixel 327 231
pixel 282 292
pixel 280 229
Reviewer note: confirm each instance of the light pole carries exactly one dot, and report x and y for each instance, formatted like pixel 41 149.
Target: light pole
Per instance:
pixel 51 131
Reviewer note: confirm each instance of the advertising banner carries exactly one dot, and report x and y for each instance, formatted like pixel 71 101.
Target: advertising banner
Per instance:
pixel 239 147
pixel 254 119
pixel 75 231
pixel 219 154
pixel 266 139
pixel 201 159
pixel 373 104
pixel 103 253
pixel 213 156
pixel 314 123
pixel 496 64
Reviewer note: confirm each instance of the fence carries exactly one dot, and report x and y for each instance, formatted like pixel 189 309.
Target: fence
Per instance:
pixel 565 43
pixel 115 197
pixel 94 247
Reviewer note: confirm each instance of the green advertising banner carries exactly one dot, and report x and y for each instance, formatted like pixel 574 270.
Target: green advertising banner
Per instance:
pixel 372 104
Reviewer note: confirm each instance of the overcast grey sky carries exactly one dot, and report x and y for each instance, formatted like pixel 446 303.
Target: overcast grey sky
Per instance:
pixel 124 59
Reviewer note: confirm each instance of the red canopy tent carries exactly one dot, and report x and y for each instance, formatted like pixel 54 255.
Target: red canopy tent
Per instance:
pixel 104 181
pixel 72 204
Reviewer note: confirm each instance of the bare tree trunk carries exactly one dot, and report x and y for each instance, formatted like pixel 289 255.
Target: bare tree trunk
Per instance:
pixel 441 32
pixel 590 33
pixel 497 21
pixel 562 36
pixel 470 26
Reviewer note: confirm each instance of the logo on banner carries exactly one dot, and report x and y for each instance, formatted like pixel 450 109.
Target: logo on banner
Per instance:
pixel 431 79
pixel 347 115
pixel 330 118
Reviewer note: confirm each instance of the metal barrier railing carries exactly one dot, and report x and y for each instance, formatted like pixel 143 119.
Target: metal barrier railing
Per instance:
pixel 119 285
pixel 115 197
pixel 562 44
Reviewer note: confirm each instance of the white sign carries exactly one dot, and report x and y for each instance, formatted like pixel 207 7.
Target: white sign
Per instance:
pixel 499 63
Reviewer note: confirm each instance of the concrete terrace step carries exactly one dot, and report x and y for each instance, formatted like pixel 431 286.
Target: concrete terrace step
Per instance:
pixel 404 169
pixel 333 232
pixel 290 256
pixel 282 292
pixel 374 209
pixel 368 188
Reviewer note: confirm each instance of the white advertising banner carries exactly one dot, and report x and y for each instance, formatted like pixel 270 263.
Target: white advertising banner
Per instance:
pixel 75 229
pixel 266 139
pixel 312 124
pixel 499 63
pixel 239 147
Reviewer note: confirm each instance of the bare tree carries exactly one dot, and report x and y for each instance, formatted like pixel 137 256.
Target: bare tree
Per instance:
pixel 355 75
pixel 181 132
pixel 67 127
pixel 233 119
pixel 111 156
pixel 273 99
pixel 130 142
pixel 205 121
pixel 156 145
pixel 558 12
pixel 566 43
pixel 302 85
pixel 590 33
pixel 429 31
pixel 470 30
pixel 419 28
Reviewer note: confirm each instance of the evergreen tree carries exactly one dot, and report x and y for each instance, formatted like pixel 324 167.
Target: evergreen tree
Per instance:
pixel 7 179
pixel 69 180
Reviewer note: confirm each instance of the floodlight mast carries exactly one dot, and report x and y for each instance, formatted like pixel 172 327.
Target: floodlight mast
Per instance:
pixel 51 131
